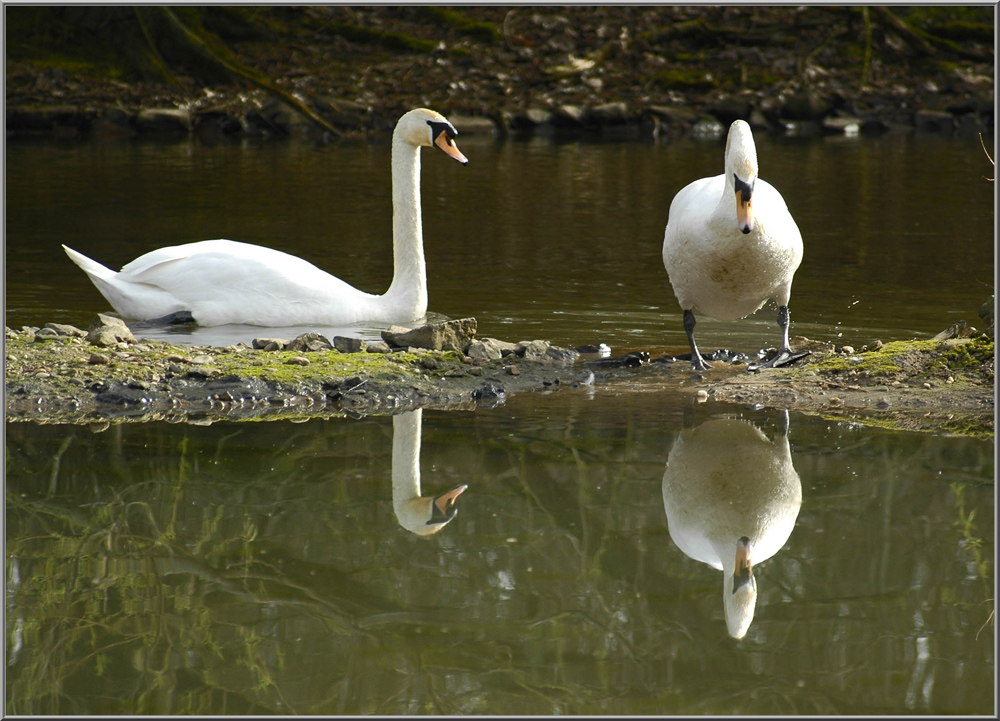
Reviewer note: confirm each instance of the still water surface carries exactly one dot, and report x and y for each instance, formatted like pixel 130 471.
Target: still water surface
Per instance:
pixel 262 567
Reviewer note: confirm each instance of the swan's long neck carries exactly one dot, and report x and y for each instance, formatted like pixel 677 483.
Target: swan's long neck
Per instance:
pixel 405 458
pixel 409 281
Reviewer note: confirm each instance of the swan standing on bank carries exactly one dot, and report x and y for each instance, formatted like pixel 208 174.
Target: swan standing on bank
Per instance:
pixel 731 497
pixel 731 245
pixel 422 515
pixel 222 282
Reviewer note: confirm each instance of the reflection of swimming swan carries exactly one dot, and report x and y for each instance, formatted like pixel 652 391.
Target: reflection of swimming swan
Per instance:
pixel 222 282
pixel 731 497
pixel 422 515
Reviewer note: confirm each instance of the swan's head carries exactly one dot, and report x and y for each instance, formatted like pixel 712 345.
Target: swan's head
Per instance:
pixel 423 127
pixel 740 592
pixel 426 515
pixel 741 171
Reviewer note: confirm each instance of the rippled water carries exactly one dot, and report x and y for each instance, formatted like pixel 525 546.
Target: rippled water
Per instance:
pixel 536 239
pixel 273 567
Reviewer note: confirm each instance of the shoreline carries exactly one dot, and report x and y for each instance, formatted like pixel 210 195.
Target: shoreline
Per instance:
pixel 57 375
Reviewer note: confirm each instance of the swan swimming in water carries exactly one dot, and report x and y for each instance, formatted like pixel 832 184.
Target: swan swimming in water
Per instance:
pixel 222 282
pixel 730 245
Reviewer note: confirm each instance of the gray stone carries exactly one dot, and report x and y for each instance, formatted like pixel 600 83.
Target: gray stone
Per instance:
pixel 378 347
pixel 568 116
pixel 842 124
pixel 472 125
pixel 269 343
pixel 455 335
pixel 933 121
pixel 45 334
pixel 807 105
pixel 675 114
pixel 66 330
pixel 609 114
pixel 533 350
pixel 107 330
pixel 310 343
pixel 297 360
pixel 164 120
pixel 488 349
pixel 350 345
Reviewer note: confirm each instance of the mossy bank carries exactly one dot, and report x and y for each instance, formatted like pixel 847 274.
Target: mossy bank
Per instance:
pixel 940 385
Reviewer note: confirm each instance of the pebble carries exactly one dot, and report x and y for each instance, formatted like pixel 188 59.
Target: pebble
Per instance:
pixel 98 359
pixel 701 395
pixel 927 386
pixel 847 350
pixel 835 401
pixel 297 360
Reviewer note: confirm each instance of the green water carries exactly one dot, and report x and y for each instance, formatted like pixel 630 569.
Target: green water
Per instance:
pixel 261 567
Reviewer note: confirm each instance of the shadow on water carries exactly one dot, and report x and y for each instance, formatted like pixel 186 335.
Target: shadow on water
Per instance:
pixel 262 567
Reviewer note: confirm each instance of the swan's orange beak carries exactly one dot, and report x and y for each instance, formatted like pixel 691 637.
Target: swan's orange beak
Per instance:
pixel 448 146
pixel 446 501
pixel 744 211
pixel 744 569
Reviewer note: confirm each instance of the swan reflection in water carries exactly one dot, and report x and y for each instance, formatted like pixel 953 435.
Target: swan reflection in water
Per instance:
pixel 731 497
pixel 422 515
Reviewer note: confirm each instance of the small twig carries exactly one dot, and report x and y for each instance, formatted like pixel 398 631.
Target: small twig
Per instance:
pixel 987 156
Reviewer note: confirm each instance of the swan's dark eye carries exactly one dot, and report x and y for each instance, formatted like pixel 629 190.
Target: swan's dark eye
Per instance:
pixel 745 188
pixel 437 127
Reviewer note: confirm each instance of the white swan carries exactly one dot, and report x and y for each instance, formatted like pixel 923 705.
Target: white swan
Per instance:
pixel 422 515
pixel 731 498
pixel 730 245
pixel 222 282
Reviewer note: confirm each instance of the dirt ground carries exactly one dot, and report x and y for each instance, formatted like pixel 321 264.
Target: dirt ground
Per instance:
pixel 935 385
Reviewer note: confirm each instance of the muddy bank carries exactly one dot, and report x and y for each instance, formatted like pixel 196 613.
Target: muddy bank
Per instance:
pixel 617 71
pixel 56 375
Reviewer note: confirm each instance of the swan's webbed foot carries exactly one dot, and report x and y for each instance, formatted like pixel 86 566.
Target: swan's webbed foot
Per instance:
pixel 785 357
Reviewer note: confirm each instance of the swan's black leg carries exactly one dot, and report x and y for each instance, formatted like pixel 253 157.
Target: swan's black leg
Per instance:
pixel 697 362
pixel 785 355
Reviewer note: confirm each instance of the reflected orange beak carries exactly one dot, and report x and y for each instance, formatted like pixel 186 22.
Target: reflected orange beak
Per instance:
pixel 744 212
pixel 448 146
pixel 445 501
pixel 744 568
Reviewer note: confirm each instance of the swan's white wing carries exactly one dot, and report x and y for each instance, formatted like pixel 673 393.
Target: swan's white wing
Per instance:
pixel 222 281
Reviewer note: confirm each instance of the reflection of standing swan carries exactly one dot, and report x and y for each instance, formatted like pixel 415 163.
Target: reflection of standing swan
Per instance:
pixel 731 498
pixel 422 515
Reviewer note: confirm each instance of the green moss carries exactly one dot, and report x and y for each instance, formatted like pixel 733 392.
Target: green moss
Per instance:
pixel 388 40
pixel 966 355
pixel 684 79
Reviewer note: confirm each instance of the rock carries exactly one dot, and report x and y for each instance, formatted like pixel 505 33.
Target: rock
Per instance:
pixel 268 343
pixel 806 105
pixel 297 360
pixel 98 359
pixel 847 350
pixel 845 124
pixel 675 114
pixel 568 116
pixel 107 330
pixel 310 343
pixel 45 334
pixel 933 121
pixel 473 125
pixel 530 118
pixel 986 313
pixel 609 114
pixel 455 335
pixel 378 347
pixel 163 120
pixel 533 350
pixel 350 345
pixel 729 109
pixel 64 329
pixel 489 349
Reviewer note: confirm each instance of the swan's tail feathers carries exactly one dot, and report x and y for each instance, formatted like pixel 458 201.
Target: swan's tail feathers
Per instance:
pixel 91 267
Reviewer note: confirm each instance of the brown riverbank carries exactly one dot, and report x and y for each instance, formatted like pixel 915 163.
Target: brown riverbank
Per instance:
pixel 339 71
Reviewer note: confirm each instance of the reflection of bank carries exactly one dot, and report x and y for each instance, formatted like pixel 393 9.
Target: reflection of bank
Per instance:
pixel 423 515
pixel 731 497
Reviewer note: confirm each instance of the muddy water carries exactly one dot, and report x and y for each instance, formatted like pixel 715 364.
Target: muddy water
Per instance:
pixel 273 567
pixel 264 567
pixel 535 239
